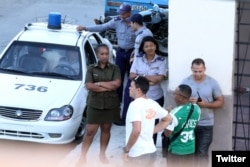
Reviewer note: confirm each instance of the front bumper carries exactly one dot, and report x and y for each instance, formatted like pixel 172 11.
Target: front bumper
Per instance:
pixel 42 132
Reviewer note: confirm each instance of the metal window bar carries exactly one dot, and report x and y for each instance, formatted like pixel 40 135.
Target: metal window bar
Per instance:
pixel 241 120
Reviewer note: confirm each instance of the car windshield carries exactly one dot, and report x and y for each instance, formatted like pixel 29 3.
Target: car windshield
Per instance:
pixel 42 59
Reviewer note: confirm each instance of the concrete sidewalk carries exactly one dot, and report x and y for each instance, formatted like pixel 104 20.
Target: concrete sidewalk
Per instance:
pixel 114 151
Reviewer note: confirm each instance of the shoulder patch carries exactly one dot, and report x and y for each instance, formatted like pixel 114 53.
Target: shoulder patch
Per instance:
pixel 140 33
pixel 160 58
pixel 117 18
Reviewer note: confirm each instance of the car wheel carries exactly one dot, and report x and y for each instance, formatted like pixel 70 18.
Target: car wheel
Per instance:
pixel 81 129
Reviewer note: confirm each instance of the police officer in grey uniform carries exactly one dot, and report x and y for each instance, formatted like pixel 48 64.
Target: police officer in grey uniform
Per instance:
pixel 125 38
pixel 151 65
pixel 140 29
pixel 140 32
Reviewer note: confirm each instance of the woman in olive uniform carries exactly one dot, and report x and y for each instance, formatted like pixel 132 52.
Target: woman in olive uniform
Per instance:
pixel 103 105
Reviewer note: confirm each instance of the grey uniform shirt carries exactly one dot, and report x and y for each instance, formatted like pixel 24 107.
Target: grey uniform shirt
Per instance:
pixel 157 66
pixel 208 89
pixel 140 34
pixel 124 32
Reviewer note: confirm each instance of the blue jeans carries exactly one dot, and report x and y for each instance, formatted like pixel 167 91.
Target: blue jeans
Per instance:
pixel 204 137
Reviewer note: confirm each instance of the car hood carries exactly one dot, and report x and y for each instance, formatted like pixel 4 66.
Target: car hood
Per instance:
pixel 36 92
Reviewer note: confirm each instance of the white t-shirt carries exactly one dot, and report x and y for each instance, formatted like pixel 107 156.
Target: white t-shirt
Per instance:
pixel 146 111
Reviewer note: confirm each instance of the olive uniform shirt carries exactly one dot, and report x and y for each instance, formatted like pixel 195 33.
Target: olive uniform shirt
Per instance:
pixel 103 100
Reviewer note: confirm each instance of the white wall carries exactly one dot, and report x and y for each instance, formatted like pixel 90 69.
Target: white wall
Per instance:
pixel 205 29
pixel 202 28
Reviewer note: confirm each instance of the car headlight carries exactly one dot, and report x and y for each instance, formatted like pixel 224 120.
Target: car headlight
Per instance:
pixel 59 114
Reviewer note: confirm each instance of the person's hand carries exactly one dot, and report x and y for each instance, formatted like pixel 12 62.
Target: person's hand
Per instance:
pixel 202 103
pixel 132 57
pixel 80 28
pixel 193 100
pixel 169 108
pixel 97 21
pixel 131 60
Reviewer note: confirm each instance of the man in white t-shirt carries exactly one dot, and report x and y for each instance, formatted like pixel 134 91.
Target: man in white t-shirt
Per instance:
pixel 140 149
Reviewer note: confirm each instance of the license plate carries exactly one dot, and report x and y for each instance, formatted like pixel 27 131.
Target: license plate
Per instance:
pixel 139 7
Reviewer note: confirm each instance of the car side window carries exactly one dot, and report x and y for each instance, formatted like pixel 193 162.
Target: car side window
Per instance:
pixel 89 54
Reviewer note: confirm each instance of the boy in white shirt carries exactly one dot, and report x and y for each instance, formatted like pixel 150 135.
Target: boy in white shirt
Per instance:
pixel 140 149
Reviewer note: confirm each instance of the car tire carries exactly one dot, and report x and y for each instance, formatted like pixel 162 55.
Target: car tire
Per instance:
pixel 81 129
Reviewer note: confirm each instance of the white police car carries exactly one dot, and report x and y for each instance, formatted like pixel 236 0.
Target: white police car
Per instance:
pixel 42 74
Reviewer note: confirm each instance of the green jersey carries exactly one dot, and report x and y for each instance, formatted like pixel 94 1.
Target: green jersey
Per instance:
pixel 185 143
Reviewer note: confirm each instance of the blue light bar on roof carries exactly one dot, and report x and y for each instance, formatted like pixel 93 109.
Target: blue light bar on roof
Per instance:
pixel 54 20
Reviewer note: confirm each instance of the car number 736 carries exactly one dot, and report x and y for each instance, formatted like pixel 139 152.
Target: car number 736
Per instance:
pixel 31 87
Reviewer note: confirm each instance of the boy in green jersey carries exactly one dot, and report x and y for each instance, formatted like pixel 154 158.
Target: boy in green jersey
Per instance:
pixel 181 149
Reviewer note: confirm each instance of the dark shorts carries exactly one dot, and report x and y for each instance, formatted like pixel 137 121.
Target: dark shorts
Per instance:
pixel 98 116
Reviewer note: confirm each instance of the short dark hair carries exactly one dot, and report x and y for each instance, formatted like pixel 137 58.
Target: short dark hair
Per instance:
pixel 185 90
pixel 198 61
pixel 149 39
pixel 142 83
pixel 137 18
pixel 102 45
